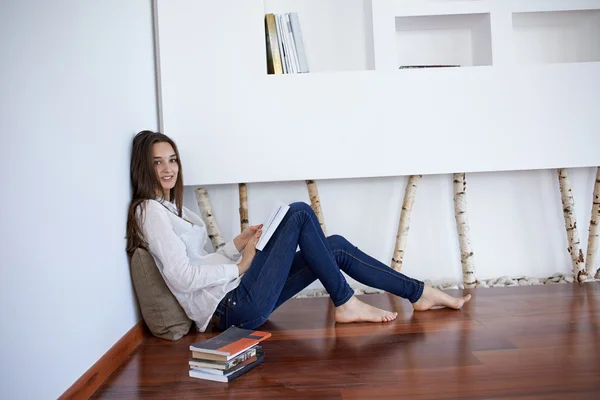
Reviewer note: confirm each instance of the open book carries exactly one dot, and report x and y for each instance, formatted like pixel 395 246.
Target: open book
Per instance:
pixel 271 224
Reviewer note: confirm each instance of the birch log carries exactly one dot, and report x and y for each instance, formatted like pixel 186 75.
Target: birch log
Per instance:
pixel 404 222
pixel 464 233
pixel 568 204
pixel 212 228
pixel 243 206
pixel 592 247
pixel 315 203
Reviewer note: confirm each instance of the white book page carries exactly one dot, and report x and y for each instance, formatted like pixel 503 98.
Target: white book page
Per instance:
pixel 271 224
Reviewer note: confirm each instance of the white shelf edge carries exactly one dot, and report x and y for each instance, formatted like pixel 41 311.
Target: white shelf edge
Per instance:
pixel 568 5
pixel 403 9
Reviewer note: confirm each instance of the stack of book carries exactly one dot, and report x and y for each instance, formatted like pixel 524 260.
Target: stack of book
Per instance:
pixel 228 355
pixel 285 47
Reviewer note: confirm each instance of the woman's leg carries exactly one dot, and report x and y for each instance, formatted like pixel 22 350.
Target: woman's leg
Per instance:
pixel 250 304
pixel 371 272
pixel 300 276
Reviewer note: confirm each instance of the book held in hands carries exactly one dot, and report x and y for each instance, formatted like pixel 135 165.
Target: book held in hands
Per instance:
pixel 271 224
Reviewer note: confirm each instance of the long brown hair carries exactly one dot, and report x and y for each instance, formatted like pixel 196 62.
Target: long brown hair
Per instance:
pixel 145 184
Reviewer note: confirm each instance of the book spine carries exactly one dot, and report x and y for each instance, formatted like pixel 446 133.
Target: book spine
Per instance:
pixel 286 45
pixel 274 65
pixel 282 51
pixel 299 41
pixel 290 35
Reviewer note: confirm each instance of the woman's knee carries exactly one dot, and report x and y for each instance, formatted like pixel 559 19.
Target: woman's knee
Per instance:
pixel 300 206
pixel 338 242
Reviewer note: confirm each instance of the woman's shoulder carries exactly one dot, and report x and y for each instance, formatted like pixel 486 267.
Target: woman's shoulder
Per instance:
pixel 150 207
pixel 153 203
pixel 149 204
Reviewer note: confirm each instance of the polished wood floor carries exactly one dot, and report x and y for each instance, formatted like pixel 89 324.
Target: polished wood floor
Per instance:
pixel 538 342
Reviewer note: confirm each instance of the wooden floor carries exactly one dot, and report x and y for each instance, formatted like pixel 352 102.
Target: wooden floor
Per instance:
pixel 537 342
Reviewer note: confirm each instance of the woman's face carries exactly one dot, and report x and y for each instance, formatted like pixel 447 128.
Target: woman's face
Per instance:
pixel 165 166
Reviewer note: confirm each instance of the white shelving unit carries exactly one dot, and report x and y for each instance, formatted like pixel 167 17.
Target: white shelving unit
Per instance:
pixel 526 96
pixel 337 36
pixel 459 39
pixel 556 36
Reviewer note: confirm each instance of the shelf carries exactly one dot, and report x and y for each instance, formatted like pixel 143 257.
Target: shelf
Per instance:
pixel 556 36
pixel 459 39
pixel 502 116
pixel 489 116
pixel 337 34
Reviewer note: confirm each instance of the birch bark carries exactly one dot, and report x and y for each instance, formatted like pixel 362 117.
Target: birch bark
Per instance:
pixel 464 233
pixel 568 204
pixel 315 203
pixel 243 206
pixel 404 222
pixel 212 228
pixel 592 247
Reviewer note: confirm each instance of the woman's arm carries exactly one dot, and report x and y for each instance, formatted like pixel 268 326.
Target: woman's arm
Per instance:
pixel 164 244
pixel 233 249
pixel 241 240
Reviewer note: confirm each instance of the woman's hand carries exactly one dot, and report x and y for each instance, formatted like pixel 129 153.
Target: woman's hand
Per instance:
pixel 249 252
pixel 242 239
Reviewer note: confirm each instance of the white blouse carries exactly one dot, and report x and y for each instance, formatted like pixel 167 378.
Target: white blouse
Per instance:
pixel 199 280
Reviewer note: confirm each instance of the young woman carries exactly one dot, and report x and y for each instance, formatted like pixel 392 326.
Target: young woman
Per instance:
pixel 236 285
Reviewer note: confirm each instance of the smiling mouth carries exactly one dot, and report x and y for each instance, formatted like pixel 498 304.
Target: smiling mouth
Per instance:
pixel 167 178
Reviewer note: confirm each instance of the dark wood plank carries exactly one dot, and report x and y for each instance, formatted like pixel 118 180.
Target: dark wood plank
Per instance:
pixel 539 342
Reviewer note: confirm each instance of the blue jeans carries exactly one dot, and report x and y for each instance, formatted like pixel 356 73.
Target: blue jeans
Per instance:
pixel 279 271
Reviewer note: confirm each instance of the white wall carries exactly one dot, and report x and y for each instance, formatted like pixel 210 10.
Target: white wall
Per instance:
pixel 77 83
pixel 516 220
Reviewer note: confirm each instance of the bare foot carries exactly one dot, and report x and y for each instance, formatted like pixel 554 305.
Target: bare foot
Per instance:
pixel 355 310
pixel 434 297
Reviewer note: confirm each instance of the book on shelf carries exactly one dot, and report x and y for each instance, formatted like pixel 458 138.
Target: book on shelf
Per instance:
pixel 271 224
pixel 285 46
pixel 228 355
